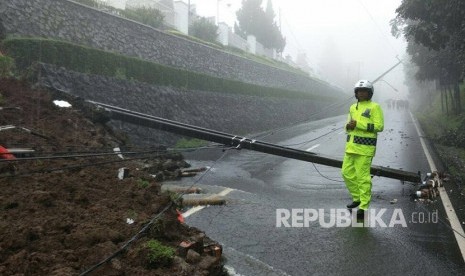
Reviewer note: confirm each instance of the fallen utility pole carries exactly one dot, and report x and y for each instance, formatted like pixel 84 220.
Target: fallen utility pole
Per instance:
pixel 238 142
pixel 385 73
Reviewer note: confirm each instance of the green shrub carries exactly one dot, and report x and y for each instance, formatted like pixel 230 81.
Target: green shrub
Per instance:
pixel 158 254
pixel 142 183
pixel 190 143
pixel 6 66
pixel 204 29
pixel 214 44
pixel 120 73
pixel 145 15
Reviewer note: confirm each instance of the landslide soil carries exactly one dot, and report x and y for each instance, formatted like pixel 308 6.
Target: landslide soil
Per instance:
pixel 61 216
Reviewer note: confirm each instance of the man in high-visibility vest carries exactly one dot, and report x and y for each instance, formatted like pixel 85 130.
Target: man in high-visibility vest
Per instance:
pixel 364 122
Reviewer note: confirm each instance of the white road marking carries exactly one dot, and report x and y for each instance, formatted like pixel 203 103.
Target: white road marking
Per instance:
pixel 194 210
pixel 450 211
pixel 225 192
pixel 312 148
pixel 263 267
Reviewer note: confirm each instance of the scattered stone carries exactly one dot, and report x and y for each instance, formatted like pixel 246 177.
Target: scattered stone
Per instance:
pixel 63 222
pixel 123 173
pixel 183 247
pixel 186 269
pixel 192 257
pixel 116 264
pixel 208 262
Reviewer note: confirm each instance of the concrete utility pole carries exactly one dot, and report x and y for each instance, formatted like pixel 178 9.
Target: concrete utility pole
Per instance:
pixel 389 70
pixel 117 113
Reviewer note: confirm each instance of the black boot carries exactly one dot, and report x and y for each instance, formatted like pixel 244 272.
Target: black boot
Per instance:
pixel 353 204
pixel 360 215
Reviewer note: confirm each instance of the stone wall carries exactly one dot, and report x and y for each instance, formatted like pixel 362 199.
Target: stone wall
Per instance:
pixel 69 21
pixel 235 114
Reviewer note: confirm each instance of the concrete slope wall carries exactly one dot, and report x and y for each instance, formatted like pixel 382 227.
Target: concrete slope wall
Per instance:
pixel 235 114
pixel 69 21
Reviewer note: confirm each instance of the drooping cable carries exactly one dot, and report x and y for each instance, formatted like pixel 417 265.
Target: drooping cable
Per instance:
pixel 150 223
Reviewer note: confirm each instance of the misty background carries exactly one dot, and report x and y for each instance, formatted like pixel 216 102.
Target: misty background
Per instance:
pixel 341 41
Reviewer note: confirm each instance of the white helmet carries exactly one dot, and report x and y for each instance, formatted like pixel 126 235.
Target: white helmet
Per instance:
pixel 364 84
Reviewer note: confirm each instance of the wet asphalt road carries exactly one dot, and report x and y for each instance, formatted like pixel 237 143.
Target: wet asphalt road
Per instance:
pixel 262 183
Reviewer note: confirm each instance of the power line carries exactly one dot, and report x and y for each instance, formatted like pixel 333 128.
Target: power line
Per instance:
pixel 293 35
pixel 150 223
pixel 99 154
pixel 314 139
pixel 325 177
pixel 324 109
pixel 92 164
pixel 73 156
pixel 378 28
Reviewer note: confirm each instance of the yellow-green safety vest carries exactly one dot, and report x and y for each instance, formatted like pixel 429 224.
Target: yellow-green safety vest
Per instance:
pixel 370 120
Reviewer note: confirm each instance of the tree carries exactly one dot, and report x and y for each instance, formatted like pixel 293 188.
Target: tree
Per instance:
pixel 238 31
pixel 434 30
pixel 275 37
pixel 204 29
pixel 145 15
pixel 253 20
pixel 420 91
pixel 269 12
pixel 435 24
pixel 250 17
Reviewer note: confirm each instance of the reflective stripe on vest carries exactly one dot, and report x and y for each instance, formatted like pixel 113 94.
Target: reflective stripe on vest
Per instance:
pixel 363 140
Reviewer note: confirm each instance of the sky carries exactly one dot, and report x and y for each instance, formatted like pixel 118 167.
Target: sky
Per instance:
pixel 344 40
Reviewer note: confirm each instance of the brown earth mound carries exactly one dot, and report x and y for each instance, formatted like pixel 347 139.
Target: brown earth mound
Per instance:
pixel 62 215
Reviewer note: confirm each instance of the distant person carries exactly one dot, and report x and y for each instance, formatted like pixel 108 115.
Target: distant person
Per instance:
pixel 388 101
pixel 365 120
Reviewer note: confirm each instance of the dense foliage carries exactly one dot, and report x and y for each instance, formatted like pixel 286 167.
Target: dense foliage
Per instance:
pixel 204 30
pixel 148 16
pixel 435 33
pixel 145 15
pixel 159 254
pixel 6 66
pixel 253 20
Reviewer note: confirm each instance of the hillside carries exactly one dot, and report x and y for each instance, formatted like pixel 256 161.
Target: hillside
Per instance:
pixel 446 132
pixel 65 212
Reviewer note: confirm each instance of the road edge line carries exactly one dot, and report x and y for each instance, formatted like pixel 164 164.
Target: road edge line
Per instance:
pixel 449 208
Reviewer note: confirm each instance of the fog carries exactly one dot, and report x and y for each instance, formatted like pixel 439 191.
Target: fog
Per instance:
pixel 343 40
